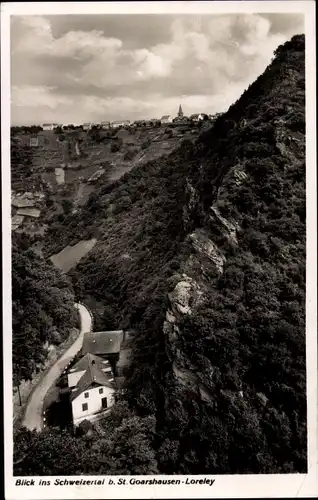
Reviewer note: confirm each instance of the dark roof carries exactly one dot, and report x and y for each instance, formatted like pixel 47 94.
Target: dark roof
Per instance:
pixel 102 342
pixel 93 376
pixel 85 361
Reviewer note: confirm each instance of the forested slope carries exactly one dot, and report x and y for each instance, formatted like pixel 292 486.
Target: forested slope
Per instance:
pixel 43 310
pixel 203 253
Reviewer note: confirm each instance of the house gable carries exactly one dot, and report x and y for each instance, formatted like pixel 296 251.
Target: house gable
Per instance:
pixel 77 371
pixel 94 390
pixel 91 402
pixel 93 375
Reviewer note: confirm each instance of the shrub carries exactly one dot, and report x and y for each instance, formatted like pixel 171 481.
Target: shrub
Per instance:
pixel 130 154
pixel 146 144
pixel 115 147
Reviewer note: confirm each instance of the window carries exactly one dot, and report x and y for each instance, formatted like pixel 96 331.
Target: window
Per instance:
pixel 86 394
pixel 101 390
pixel 104 402
pixel 84 406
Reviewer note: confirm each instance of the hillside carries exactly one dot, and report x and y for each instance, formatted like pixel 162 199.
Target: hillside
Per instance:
pixel 43 311
pixel 203 253
pixel 54 174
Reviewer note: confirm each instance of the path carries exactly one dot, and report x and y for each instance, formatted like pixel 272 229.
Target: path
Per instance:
pixel 33 414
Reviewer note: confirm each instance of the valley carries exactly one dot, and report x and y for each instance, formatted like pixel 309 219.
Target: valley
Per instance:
pixel 68 171
pixel 196 242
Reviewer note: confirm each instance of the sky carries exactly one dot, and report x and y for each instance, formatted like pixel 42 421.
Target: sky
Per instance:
pixel 78 68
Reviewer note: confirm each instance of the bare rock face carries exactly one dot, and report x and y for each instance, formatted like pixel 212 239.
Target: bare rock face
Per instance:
pixel 202 244
pixel 185 292
pixel 191 206
pixel 239 174
pixel 185 296
pixel 229 228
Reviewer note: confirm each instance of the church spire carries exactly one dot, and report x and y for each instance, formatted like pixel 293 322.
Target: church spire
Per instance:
pixel 180 112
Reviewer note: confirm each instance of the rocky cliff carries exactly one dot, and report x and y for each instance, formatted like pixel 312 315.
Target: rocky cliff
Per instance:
pixel 235 321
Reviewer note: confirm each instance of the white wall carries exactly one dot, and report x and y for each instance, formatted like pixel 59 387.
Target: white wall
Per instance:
pixel 73 378
pixel 94 402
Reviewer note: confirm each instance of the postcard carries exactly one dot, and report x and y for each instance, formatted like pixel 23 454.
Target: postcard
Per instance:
pixel 160 248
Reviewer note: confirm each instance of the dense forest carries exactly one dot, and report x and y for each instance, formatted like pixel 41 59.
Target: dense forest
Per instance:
pixel 43 310
pixel 245 339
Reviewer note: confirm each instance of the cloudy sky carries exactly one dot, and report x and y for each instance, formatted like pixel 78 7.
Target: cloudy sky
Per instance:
pixel 76 68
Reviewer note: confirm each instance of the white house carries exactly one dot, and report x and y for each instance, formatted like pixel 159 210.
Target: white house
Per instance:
pixel 198 117
pixel 50 126
pixel 87 126
pixel 120 123
pixel 92 387
pixel 166 119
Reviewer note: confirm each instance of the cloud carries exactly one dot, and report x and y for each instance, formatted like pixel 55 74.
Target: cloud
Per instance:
pixel 108 67
pixel 38 40
pixel 25 96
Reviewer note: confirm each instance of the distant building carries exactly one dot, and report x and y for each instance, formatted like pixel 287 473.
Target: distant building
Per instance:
pixel 92 386
pixel 105 125
pixel 27 199
pixel 50 126
pixel 197 117
pixel 29 212
pixel 166 119
pixel 87 126
pixel 139 123
pixel 34 141
pixel 120 123
pixel 16 221
pixel 180 112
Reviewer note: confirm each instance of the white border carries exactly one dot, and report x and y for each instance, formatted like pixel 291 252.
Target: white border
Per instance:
pixel 226 486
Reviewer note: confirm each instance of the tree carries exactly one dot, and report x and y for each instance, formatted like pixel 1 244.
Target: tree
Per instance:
pixel 67 206
pixel 42 309
pixel 47 453
pixel 132 451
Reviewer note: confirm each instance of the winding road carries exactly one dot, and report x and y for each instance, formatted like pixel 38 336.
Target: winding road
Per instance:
pixel 33 414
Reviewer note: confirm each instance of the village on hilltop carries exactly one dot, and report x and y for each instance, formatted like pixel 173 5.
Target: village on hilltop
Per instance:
pixel 180 119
